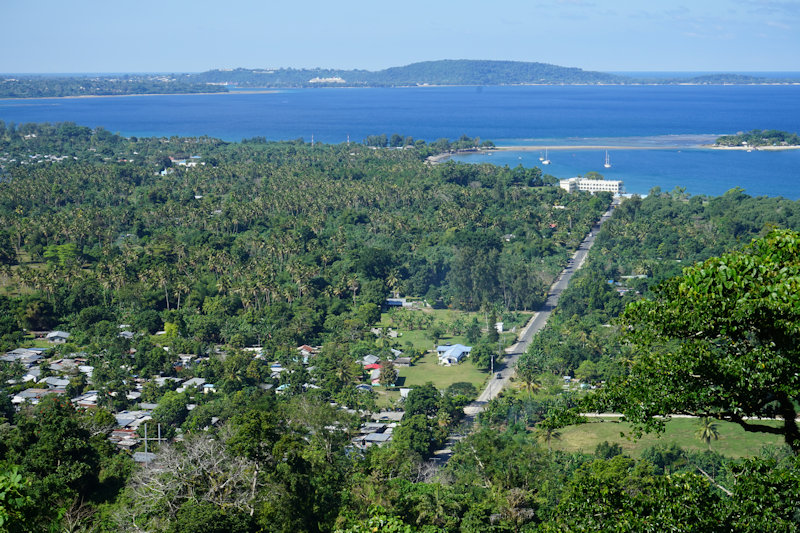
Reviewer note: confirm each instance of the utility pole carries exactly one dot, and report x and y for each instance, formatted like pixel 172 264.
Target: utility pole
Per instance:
pixel 491 375
pixel 146 454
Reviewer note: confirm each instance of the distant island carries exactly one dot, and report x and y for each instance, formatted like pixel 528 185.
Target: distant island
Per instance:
pixel 426 73
pixel 42 86
pixel 759 139
pixel 453 72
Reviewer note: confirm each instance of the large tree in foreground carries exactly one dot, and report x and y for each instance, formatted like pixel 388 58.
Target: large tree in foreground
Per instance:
pixel 719 341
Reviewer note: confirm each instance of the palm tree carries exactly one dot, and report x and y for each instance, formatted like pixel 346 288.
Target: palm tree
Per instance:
pixel 546 434
pixel 353 285
pixel 528 370
pixel 708 430
pixel 393 281
pixel 532 384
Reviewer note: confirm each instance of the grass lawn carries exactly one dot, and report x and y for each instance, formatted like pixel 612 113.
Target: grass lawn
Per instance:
pixel 42 343
pixel 733 440
pixel 419 337
pixel 429 369
pixel 387 398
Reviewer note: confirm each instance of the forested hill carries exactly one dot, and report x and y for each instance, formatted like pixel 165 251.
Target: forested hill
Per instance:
pixel 444 72
pixel 452 72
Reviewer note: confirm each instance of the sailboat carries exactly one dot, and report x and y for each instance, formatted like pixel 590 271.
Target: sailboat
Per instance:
pixel 545 161
pixel 608 161
pixel 541 156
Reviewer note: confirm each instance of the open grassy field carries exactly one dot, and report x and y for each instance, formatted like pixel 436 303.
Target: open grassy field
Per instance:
pixel 733 440
pixel 419 337
pixel 429 369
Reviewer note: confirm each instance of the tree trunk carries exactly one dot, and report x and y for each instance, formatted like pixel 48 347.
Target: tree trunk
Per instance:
pixel 791 431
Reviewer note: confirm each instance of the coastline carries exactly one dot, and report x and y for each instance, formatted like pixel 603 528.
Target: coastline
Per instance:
pixel 271 90
pixel 533 148
pixel 444 156
pixel 751 148
pixel 439 158
pixel 13 99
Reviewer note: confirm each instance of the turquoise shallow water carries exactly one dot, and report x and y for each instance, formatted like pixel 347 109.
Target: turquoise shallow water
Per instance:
pixel 652 116
pixel 699 171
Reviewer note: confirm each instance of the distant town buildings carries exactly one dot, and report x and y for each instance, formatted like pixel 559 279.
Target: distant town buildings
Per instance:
pixel 592 186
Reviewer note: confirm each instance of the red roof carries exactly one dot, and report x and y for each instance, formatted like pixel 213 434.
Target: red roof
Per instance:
pixel 372 366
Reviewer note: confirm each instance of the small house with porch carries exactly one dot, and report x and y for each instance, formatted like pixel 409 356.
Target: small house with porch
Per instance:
pixel 57 337
pixel 452 354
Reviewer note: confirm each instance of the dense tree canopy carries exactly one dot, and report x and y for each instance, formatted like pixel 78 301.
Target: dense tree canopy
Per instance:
pixel 760 138
pixel 278 244
pixel 719 341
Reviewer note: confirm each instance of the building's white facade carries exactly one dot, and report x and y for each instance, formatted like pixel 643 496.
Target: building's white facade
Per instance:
pixel 584 184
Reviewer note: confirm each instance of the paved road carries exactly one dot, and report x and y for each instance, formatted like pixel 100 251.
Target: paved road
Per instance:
pixel 534 325
pixel 539 320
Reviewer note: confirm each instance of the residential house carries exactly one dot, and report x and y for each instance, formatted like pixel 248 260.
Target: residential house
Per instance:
pixel 54 382
pixel 33 395
pixel 63 365
pixel 396 302
pixel 33 374
pixel 374 434
pixel 452 354
pixel 388 416
pixel 194 382
pixel 26 356
pixel 86 400
pixel 375 376
pixel 370 360
pixel 57 337
pixel 306 350
pixel 161 380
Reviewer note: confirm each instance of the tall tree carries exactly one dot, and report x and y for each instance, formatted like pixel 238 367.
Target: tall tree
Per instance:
pixel 719 341
pixel 707 431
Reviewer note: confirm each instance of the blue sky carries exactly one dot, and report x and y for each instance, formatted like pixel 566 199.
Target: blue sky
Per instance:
pixel 191 36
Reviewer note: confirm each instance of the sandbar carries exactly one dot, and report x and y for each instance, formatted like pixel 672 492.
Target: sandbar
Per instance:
pixel 438 158
pixel 533 148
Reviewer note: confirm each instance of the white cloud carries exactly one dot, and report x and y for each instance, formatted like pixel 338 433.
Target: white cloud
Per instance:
pixel 779 25
pixel 783 7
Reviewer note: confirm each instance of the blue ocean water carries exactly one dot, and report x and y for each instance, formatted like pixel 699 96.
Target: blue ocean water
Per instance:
pixel 709 172
pixel 652 116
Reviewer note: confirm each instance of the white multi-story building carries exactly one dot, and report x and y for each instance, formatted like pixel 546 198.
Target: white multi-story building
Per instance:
pixel 592 186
